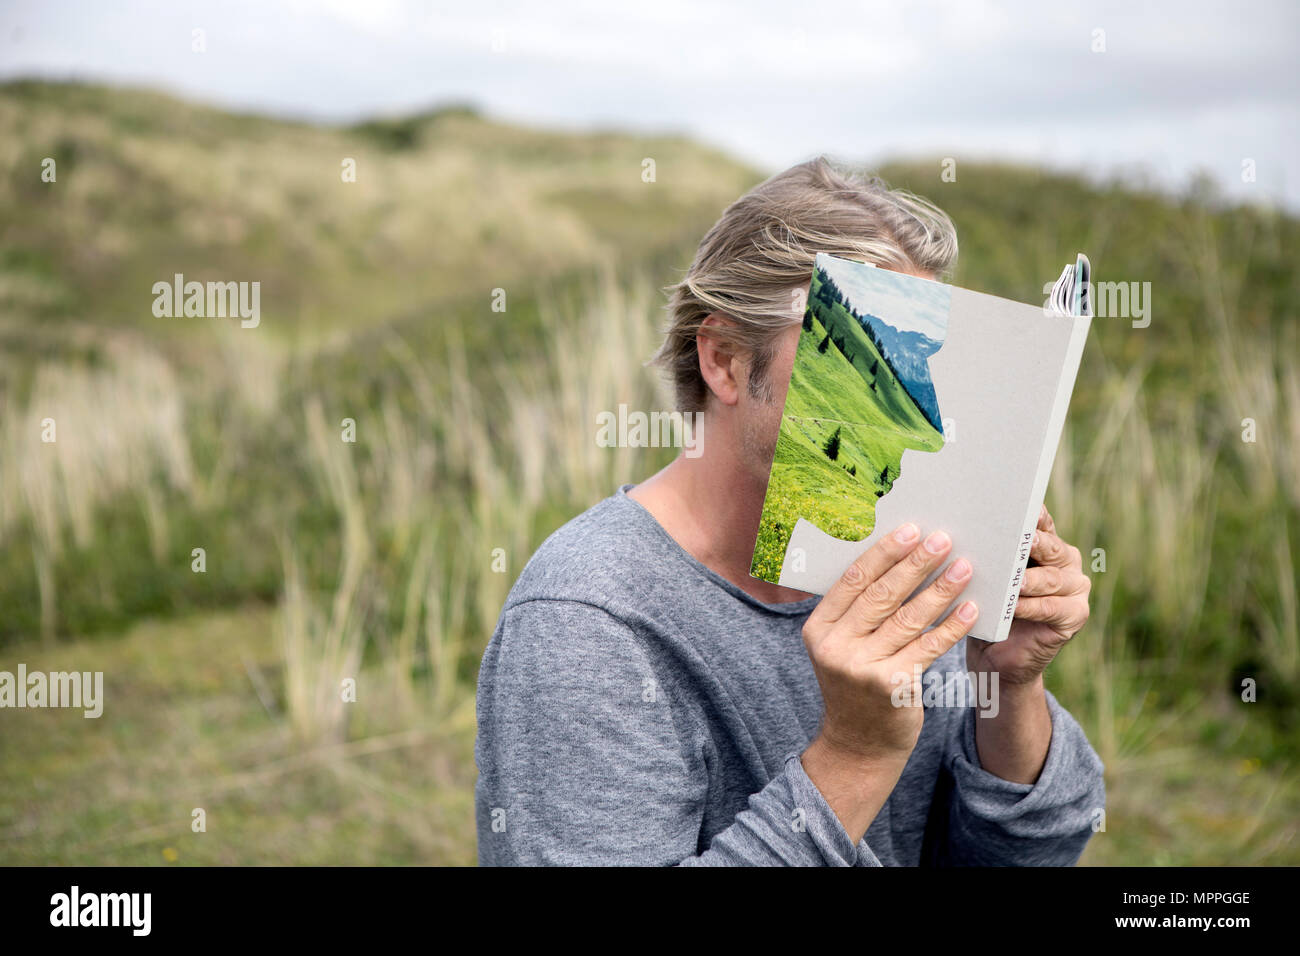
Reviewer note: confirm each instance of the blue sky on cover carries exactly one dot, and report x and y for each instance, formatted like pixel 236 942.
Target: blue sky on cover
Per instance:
pixel 908 303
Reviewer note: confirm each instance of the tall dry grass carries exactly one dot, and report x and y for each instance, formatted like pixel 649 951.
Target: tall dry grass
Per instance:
pixel 117 431
pixel 455 492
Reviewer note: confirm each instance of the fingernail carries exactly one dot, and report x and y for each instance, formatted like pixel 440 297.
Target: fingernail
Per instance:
pixel 958 570
pixel 937 542
pixel 967 612
pixel 906 533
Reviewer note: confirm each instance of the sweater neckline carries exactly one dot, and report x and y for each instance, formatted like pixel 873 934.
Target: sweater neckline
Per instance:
pixel 784 608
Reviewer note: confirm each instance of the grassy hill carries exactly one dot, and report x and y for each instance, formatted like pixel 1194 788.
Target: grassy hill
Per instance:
pixel 862 388
pixel 446 207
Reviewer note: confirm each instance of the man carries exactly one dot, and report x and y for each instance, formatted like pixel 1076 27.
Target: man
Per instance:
pixel 645 701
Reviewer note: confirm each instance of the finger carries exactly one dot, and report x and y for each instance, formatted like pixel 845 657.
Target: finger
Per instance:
pixel 1041 580
pixel 937 641
pixel 905 624
pixel 883 597
pixel 868 568
pixel 1045 522
pixel 1049 549
pixel 1059 612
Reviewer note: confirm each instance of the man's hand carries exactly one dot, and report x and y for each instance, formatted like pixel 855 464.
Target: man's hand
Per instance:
pixel 1052 608
pixel 864 642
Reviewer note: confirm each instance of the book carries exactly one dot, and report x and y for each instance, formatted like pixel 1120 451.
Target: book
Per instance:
pixel 914 400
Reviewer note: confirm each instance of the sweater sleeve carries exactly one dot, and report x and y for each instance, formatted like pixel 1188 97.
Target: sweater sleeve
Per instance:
pixel 995 822
pixel 586 756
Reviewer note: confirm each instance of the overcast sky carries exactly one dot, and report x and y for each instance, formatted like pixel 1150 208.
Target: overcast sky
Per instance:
pixel 1179 87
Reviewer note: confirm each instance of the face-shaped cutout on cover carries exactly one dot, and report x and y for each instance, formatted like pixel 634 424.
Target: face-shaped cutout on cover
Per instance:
pixel 860 396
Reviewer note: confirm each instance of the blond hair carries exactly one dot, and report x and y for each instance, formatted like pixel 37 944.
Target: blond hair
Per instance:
pixel 762 249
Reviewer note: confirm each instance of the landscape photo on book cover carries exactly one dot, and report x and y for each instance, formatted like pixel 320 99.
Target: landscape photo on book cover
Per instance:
pixel 860 394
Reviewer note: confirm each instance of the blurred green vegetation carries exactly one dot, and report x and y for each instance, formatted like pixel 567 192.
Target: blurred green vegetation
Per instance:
pixel 475 439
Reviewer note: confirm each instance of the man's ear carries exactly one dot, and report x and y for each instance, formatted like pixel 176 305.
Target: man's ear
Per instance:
pixel 719 365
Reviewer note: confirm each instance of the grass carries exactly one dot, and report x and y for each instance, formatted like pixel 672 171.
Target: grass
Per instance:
pixel 1193 793
pixel 385 561
pixel 193 721
pixel 241 713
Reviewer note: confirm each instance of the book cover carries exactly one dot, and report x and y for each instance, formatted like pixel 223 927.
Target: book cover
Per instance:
pixel 915 400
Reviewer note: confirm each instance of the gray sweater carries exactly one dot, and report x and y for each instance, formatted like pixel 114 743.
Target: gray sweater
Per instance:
pixel 636 708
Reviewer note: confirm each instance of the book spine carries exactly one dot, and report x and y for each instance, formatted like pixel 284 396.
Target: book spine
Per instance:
pixel 1018 577
pixel 1051 439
